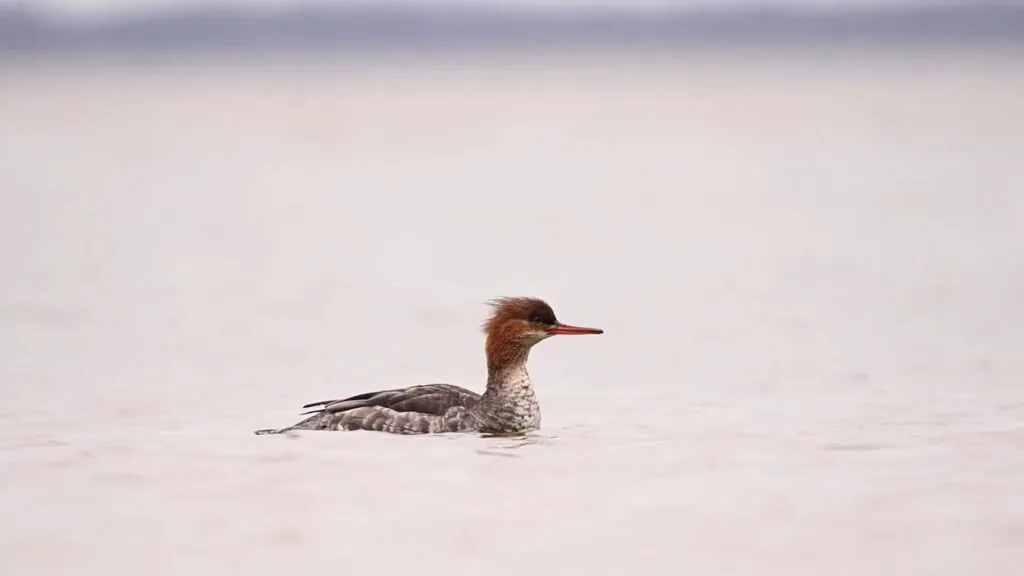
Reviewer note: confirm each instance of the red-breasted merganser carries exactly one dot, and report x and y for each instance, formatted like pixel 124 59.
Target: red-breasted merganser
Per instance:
pixel 508 405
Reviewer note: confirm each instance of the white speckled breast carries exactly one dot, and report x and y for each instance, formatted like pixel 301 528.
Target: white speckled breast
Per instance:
pixel 510 404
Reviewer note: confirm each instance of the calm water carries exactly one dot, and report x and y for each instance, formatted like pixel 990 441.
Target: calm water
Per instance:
pixel 808 271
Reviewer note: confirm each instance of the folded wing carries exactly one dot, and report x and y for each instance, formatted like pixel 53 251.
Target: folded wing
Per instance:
pixel 433 399
pixel 424 409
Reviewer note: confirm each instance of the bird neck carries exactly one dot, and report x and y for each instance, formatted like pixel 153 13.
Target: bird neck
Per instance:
pixel 508 379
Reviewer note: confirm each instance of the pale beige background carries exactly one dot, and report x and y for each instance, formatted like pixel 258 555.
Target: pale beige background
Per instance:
pixel 809 272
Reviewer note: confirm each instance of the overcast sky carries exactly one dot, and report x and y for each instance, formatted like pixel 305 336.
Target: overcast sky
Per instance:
pixel 100 8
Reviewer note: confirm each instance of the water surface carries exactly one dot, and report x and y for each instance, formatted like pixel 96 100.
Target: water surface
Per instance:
pixel 808 271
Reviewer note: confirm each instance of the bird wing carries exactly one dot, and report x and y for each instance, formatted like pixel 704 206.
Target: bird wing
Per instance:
pixel 434 399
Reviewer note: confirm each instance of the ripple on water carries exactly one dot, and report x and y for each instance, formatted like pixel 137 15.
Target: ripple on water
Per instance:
pixel 510 446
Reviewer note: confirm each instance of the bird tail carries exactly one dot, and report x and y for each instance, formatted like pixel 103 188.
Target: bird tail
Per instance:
pixel 307 424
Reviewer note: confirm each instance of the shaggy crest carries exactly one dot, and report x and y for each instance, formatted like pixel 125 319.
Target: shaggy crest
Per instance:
pixel 504 310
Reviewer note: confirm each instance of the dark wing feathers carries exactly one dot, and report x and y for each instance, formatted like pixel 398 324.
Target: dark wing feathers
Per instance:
pixel 433 399
pixel 423 409
pixel 363 396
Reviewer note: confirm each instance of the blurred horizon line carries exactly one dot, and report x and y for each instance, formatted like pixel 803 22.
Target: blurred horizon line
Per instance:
pixel 197 28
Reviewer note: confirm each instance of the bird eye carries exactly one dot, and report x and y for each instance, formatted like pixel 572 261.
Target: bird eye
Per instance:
pixel 542 318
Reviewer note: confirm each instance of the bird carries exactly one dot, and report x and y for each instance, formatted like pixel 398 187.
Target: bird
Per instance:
pixel 508 405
